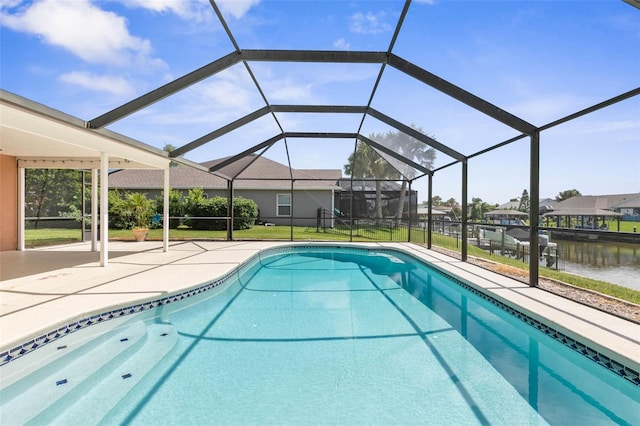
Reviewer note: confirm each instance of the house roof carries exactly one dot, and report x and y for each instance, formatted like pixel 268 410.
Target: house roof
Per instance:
pixel 513 205
pixel 629 203
pixel 507 212
pixel 589 205
pixel 509 205
pixel 434 212
pixel 251 172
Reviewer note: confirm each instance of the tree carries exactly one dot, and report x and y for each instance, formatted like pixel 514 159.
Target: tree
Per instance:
pixel 456 210
pixel 170 148
pixel 569 193
pixel 366 163
pixel 525 203
pixel 436 200
pixel 414 150
pixel 479 208
pixel 52 192
pixel 370 164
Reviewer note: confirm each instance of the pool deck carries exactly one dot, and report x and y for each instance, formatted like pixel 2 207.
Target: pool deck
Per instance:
pixel 43 289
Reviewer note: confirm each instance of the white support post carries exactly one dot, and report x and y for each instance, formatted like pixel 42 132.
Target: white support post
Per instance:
pixel 165 213
pixel 104 209
pixel 21 224
pixel 94 210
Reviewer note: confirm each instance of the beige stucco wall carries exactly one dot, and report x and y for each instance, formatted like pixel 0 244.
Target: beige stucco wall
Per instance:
pixel 8 203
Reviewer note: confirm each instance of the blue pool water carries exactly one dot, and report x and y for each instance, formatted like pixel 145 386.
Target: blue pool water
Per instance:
pixel 325 336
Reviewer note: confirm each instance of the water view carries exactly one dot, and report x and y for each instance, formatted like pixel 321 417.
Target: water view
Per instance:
pixel 617 263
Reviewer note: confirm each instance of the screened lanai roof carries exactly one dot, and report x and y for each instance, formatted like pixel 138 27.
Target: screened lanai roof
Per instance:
pixel 410 88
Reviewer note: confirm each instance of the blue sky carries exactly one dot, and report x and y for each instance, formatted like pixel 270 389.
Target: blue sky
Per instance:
pixel 539 60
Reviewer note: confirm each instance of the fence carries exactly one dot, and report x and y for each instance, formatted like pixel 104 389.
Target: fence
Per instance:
pixel 328 227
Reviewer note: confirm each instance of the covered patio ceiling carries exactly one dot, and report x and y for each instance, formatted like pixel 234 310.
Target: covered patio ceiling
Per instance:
pixel 41 137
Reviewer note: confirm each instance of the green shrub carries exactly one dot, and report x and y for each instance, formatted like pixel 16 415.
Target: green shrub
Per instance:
pixel 194 197
pixel 119 217
pixel 176 207
pixel 129 209
pixel 197 210
pixel 244 212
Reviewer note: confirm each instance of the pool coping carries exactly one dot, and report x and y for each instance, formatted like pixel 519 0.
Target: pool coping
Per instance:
pixel 608 340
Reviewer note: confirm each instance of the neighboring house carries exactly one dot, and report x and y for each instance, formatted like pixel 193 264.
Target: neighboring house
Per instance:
pixel 629 208
pixel 439 213
pixel 588 209
pixel 591 204
pixel 544 204
pixel 510 205
pixel 260 179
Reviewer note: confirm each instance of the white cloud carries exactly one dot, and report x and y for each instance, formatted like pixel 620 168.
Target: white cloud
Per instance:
pixel 110 84
pixel 341 44
pixel 236 8
pixel 219 99
pixel 198 10
pixel 289 92
pixel 544 108
pixel 94 35
pixel 230 89
pixel 369 23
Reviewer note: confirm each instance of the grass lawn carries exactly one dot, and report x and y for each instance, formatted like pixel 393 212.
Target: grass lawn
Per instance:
pixel 624 226
pixel 43 237
pixel 50 236
pixel 300 233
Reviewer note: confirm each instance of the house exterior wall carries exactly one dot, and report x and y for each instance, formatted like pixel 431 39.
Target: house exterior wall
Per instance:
pixel 304 205
pixel 8 203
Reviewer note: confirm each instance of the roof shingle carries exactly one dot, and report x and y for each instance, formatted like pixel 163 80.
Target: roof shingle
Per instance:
pixel 251 172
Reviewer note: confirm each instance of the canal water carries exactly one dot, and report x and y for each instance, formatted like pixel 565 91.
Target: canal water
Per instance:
pixel 616 263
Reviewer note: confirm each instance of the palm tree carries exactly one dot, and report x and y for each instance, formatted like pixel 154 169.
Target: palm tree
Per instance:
pixel 366 163
pixel 369 163
pixel 414 150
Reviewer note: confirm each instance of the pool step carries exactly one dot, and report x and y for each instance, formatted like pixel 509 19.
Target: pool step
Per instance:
pixel 114 384
pixel 43 390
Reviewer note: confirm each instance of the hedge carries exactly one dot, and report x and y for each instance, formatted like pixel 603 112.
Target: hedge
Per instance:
pixel 245 212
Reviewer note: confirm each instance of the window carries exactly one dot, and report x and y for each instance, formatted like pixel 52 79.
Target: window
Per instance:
pixel 283 207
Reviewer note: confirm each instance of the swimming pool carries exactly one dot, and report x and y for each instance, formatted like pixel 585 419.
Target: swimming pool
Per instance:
pixel 323 335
